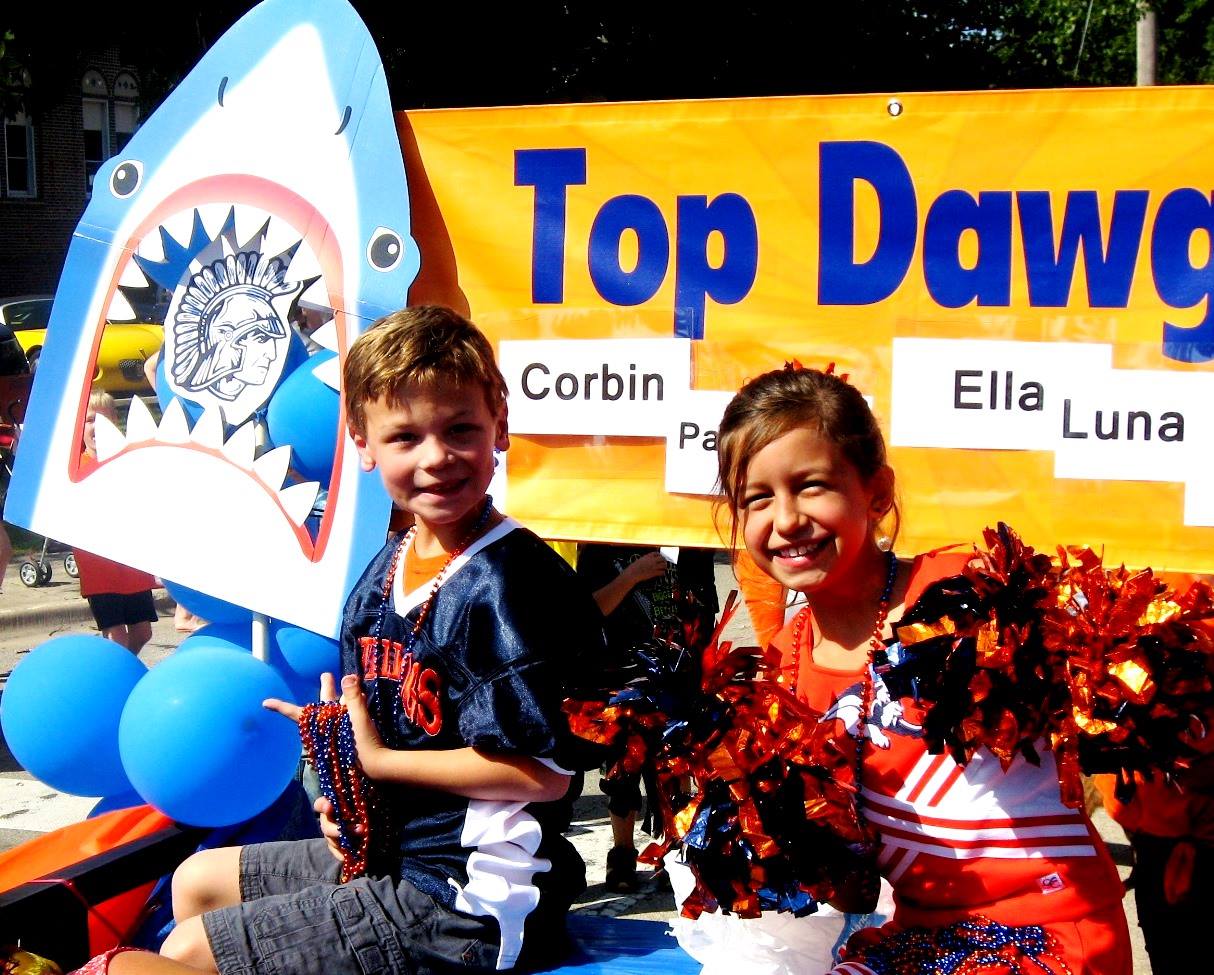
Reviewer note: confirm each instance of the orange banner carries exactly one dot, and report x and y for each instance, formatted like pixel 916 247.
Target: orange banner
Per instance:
pixel 1019 280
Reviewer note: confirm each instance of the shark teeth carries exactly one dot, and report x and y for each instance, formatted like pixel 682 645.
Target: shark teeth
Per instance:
pixel 214 216
pixel 132 276
pixel 270 469
pixel 241 447
pixel 174 426
pixel 140 425
pixel 110 440
pixel 326 335
pixel 151 247
pixel 120 309
pixel 329 373
pixel 178 225
pixel 252 224
pixel 298 499
pixel 208 431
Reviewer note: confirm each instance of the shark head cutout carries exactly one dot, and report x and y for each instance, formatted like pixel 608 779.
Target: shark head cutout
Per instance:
pixel 270 180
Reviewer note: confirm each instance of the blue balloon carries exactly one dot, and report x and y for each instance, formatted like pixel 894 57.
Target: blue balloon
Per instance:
pixel 297 355
pixel 225 636
pixel 234 636
pixel 164 394
pixel 197 744
pixel 301 691
pixel 303 414
pixel 61 709
pixel 210 608
pixel 308 654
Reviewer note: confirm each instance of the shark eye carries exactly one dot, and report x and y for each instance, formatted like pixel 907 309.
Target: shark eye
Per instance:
pixel 385 250
pixel 126 179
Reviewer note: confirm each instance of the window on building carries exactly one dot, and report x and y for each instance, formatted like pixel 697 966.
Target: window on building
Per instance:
pixel 109 118
pixel 126 121
pixel 96 137
pixel 19 170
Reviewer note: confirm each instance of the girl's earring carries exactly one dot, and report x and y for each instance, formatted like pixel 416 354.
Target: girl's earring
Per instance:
pixel 497 459
pixel 885 543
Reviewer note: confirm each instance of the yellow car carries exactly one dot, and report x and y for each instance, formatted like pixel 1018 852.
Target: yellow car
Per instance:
pixel 124 345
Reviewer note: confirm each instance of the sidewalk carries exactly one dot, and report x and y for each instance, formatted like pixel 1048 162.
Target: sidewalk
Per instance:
pixel 53 605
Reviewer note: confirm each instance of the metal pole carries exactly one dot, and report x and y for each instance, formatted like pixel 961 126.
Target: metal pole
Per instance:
pixel 261 637
pixel 1148 46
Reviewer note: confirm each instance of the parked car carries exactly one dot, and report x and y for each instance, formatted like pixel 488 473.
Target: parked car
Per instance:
pixel 124 345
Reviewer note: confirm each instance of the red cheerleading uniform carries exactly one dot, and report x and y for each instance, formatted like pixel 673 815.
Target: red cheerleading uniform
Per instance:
pixel 959 843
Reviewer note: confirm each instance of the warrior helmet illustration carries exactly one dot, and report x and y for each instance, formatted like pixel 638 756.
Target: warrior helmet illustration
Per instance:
pixel 227 332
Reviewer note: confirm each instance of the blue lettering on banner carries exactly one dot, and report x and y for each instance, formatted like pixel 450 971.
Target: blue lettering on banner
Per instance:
pixel 553 171
pixel 1110 271
pixel 989 281
pixel 1108 263
pixel 1183 213
pixel 841 281
pixel 1050 252
pixel 641 215
pixel 730 216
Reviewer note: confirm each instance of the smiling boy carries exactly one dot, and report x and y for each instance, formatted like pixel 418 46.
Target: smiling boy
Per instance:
pixel 456 646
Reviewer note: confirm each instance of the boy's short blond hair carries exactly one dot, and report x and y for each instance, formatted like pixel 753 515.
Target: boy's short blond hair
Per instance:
pixel 423 345
pixel 102 402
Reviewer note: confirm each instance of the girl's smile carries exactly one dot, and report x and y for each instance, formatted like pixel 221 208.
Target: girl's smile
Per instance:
pixel 808 515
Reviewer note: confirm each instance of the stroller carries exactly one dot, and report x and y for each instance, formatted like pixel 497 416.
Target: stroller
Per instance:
pixel 14 392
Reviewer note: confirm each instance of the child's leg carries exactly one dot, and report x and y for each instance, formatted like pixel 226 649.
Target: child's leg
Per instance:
pixel 188 944
pixel 139 613
pixel 208 880
pixel 117 633
pixel 138 635
pixel 145 963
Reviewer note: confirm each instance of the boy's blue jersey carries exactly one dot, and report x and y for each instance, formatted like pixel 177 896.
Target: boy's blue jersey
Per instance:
pixel 506 633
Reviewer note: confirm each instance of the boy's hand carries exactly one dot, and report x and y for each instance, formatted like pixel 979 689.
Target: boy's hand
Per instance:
pixel 328 692
pixel 329 828
pixel 371 748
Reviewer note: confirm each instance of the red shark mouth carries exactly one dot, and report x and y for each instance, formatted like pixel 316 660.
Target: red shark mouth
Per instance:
pixel 196 245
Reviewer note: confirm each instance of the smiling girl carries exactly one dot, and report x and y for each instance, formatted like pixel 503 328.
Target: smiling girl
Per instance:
pixel 991 872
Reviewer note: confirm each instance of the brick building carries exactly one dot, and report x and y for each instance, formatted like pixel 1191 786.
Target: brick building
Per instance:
pixel 50 158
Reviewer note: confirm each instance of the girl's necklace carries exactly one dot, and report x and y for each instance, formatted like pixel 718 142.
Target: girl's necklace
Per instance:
pixel 875 643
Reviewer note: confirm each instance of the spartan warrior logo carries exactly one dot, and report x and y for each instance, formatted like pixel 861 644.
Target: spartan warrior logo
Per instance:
pixel 229 333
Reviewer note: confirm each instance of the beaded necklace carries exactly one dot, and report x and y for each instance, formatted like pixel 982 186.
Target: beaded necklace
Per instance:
pixel 328 738
pixel 328 735
pixel 966 947
pixel 875 643
pixel 386 596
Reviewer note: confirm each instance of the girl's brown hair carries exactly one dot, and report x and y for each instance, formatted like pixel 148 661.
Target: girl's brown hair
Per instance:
pixel 776 402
